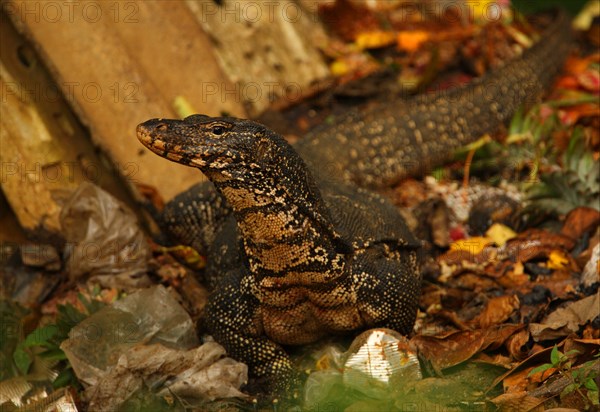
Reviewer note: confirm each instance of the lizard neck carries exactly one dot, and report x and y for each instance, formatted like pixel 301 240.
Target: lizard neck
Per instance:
pixel 287 235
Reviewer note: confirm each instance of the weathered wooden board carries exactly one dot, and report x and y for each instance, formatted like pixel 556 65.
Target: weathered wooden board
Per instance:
pixel 268 49
pixel 176 56
pixel 44 150
pixel 120 63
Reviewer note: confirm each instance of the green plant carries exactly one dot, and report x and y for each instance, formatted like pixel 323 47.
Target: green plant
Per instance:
pixel 43 343
pixel 580 377
pixel 577 184
pixel 527 148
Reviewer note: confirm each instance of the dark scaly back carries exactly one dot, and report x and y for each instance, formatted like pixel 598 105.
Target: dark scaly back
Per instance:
pixel 388 142
pixel 302 273
pixel 271 192
pixel 381 146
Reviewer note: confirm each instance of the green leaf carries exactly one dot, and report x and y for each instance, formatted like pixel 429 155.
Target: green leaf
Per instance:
pixel 555 356
pixel 53 354
pixel 22 359
pixel 68 316
pixel 91 305
pixel 66 377
pixel 572 353
pixel 541 368
pixel 568 389
pixel 516 124
pixel 591 385
pixel 438 174
pixel 593 397
pixel 40 336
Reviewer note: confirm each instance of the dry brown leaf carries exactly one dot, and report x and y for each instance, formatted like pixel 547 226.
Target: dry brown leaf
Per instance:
pixel 496 336
pixel 454 348
pixel 514 277
pixel 566 320
pixel 536 243
pixel 453 318
pixel 590 261
pixel 516 382
pixel 579 221
pixel 475 282
pixel 561 283
pixel 497 360
pixel 517 402
pixel 517 344
pixel 498 269
pixel 449 351
pixel 348 19
pixel 538 356
pixel 497 310
pixel 455 298
pixel 583 346
pixel 590 332
pixel 547 237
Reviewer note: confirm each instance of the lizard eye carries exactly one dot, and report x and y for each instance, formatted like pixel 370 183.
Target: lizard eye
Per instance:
pixel 218 130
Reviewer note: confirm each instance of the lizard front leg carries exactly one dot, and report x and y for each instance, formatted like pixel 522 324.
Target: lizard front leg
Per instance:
pixel 387 284
pixel 194 217
pixel 231 318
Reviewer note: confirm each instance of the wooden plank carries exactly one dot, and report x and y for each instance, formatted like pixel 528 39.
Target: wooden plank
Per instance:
pixel 118 64
pixel 268 49
pixel 44 150
pixel 165 39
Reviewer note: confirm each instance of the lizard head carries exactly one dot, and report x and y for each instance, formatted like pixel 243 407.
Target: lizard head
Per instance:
pixel 226 148
pixel 208 143
pixel 243 154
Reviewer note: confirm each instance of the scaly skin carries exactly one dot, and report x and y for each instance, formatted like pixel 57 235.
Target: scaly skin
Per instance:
pixel 296 254
pixel 306 260
pixel 389 142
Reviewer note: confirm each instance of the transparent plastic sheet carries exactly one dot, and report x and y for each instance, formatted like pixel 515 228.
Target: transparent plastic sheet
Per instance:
pixel 147 341
pixel 380 360
pixel 368 376
pixel 104 240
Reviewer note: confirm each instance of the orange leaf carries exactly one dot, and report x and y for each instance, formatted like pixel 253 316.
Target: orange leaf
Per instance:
pixel 411 40
pixel 375 39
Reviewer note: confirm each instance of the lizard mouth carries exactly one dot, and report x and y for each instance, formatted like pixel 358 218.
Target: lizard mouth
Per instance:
pixel 154 134
pixel 148 136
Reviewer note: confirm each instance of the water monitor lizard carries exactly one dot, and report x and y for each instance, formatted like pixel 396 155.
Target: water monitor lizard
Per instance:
pixel 297 250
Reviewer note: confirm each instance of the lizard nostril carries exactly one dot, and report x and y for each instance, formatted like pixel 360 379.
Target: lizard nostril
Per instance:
pixel 161 127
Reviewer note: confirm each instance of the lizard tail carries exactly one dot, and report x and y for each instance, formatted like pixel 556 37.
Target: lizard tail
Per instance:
pixel 381 145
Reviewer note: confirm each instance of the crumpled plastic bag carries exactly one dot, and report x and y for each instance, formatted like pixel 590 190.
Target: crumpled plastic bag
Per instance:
pixel 199 373
pixel 103 239
pixel 148 340
pixel 146 317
